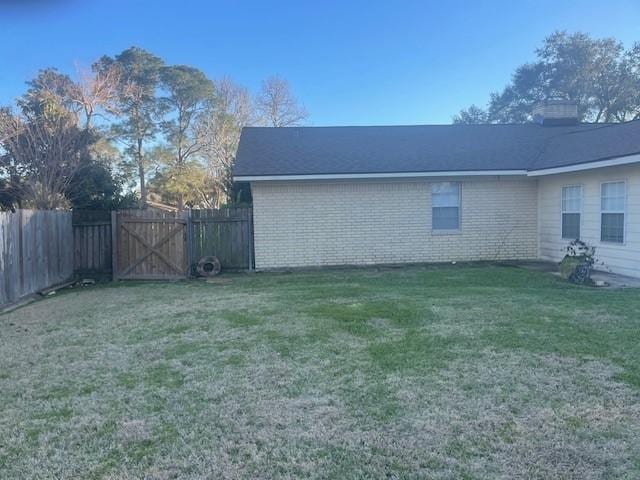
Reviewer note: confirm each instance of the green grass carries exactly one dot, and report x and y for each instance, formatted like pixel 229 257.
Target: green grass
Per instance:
pixel 421 372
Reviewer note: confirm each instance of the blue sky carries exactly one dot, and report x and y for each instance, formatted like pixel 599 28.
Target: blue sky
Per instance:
pixel 349 62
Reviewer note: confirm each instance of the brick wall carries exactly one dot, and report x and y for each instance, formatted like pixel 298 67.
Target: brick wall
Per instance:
pixel 299 224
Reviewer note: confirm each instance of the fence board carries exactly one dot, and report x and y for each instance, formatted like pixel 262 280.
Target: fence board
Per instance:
pixel 36 252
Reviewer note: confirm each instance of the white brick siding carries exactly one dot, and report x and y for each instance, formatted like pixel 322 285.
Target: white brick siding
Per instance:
pixel 619 258
pixel 300 224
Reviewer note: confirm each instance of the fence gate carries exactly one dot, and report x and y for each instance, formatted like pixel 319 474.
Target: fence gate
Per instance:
pixel 149 244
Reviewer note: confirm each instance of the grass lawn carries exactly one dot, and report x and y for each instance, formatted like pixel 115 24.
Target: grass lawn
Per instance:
pixel 422 372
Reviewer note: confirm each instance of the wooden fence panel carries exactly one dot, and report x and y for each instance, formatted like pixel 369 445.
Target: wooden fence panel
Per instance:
pixel 36 251
pixel 226 233
pixel 92 242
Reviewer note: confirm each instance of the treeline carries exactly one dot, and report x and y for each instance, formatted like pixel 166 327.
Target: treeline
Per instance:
pixel 131 129
pixel 599 75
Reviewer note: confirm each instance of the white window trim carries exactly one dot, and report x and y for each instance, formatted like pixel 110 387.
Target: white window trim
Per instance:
pixel 453 231
pixel 624 212
pixel 562 212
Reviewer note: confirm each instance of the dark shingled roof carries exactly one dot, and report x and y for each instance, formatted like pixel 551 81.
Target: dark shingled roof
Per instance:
pixel 428 148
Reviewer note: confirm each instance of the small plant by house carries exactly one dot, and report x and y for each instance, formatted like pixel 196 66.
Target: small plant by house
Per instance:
pixel 578 262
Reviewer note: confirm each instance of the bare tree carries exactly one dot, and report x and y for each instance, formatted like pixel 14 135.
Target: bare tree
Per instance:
pixel 219 133
pixel 41 155
pixel 277 106
pixel 235 100
pixel 50 154
pixel 96 91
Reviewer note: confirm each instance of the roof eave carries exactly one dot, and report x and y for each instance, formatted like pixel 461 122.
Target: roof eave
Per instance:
pixel 578 167
pixel 386 175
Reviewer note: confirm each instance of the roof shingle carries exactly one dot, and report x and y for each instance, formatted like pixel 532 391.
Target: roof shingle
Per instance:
pixel 428 148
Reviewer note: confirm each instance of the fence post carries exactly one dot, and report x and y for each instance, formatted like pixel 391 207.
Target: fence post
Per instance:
pixel 250 240
pixel 189 243
pixel 21 248
pixel 114 245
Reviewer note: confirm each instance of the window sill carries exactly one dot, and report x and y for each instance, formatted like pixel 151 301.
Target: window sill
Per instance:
pixel 612 243
pixel 446 232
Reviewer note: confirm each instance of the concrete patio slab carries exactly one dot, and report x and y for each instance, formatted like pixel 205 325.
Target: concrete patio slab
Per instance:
pixel 612 280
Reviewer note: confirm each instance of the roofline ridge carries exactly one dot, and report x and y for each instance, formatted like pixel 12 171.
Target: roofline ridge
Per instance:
pixel 597 125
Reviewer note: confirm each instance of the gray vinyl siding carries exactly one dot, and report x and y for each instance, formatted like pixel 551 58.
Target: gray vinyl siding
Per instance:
pixel 622 257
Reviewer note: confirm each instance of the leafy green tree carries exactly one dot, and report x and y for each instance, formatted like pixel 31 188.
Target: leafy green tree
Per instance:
pixel 138 104
pixel 7 200
pixel 471 115
pixel 100 186
pixel 47 94
pixel 183 184
pixel 597 74
pixel 188 95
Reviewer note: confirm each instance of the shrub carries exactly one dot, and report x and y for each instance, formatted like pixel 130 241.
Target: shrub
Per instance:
pixel 578 262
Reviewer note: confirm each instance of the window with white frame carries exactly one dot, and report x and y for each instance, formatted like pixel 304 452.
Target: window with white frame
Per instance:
pixel 612 208
pixel 445 206
pixel 571 211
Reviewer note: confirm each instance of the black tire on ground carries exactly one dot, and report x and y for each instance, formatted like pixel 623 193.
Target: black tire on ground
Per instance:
pixel 208 267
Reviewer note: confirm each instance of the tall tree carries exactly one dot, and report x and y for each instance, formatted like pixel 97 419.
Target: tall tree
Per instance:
pixel 50 155
pixel 92 94
pixel 220 132
pixel 277 106
pixel 139 77
pixel 188 94
pixel 95 92
pixel 597 74
pixel 48 93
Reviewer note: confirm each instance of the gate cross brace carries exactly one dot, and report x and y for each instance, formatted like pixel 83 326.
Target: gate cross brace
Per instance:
pixel 152 249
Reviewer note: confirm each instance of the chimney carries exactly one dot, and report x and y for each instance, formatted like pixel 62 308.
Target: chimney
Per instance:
pixel 556 112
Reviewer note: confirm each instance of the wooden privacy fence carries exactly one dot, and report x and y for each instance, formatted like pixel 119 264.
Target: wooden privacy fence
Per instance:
pixel 39 249
pixel 155 244
pixel 36 251
pixel 226 233
pixel 92 243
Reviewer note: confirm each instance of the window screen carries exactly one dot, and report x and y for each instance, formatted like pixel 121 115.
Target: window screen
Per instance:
pixel 612 205
pixel 571 211
pixel 445 206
